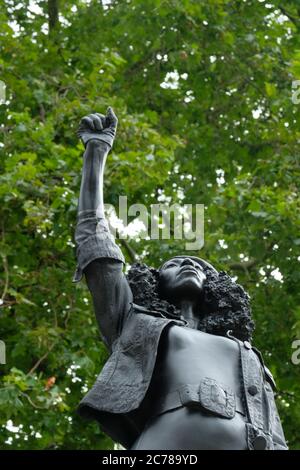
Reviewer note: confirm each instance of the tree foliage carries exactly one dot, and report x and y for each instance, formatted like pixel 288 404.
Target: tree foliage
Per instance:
pixel 203 92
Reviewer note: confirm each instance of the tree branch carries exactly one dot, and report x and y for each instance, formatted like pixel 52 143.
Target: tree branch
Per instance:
pixel 36 365
pixel 52 14
pixel 6 281
pixel 289 16
pixel 130 251
pixel 31 402
pixel 243 266
pixel 5 267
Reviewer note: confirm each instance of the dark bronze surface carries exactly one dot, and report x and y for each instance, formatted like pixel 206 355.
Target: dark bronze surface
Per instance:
pixel 167 384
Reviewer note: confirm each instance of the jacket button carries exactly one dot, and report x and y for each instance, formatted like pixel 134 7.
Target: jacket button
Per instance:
pixel 247 345
pixel 253 390
pixel 259 443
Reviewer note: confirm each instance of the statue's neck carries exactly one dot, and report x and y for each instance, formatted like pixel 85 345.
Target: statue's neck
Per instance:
pixel 188 312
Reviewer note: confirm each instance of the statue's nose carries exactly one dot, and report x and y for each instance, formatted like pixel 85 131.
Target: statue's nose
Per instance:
pixel 187 261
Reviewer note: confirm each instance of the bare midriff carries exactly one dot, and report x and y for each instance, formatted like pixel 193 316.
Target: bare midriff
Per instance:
pixel 186 356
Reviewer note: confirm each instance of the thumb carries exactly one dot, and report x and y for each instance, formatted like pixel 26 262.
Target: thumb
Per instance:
pixel 112 118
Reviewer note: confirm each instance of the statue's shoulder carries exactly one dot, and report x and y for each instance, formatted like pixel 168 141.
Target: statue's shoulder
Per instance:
pixel 136 308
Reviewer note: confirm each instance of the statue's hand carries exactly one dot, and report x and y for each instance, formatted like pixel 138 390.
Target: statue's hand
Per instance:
pixel 100 127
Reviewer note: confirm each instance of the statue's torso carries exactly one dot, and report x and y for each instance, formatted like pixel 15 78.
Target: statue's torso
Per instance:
pixel 186 356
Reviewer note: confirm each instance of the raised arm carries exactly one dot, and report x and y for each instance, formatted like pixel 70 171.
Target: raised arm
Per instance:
pixel 99 257
pixel 97 133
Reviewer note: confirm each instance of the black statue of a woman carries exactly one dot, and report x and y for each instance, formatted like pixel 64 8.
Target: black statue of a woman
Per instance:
pixel 182 373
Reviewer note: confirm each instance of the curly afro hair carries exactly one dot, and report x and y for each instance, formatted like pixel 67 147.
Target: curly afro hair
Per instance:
pixel 227 305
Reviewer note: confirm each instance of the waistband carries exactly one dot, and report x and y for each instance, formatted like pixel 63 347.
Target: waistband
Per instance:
pixel 209 395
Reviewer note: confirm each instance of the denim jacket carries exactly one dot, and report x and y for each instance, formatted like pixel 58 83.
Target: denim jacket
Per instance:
pixel 132 335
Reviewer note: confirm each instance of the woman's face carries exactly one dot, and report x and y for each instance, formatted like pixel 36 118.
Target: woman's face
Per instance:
pixel 181 278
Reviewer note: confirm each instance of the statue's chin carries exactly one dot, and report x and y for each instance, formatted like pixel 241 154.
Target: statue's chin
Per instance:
pixel 188 290
pixel 190 285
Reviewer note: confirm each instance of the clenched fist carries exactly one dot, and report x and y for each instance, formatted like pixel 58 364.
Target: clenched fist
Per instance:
pixel 100 127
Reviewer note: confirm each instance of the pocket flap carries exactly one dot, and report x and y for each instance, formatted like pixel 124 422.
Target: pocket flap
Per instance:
pixel 217 398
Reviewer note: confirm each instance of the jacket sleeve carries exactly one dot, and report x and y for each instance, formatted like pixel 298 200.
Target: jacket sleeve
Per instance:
pixel 277 431
pixel 101 260
pixel 112 297
pixel 278 435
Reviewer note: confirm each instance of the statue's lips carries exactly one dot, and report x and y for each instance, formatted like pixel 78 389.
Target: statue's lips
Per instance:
pixel 188 270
